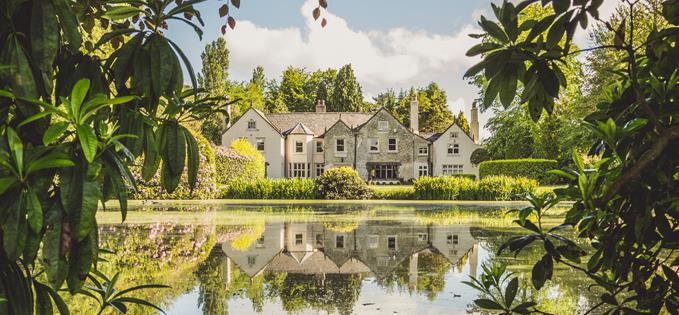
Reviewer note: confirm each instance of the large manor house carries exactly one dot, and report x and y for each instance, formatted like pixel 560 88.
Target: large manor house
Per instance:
pixel 376 145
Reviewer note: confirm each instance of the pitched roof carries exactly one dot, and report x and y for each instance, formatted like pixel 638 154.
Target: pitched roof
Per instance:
pixel 300 129
pixel 317 123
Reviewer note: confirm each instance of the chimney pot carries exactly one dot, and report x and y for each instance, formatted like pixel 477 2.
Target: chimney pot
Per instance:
pixel 414 114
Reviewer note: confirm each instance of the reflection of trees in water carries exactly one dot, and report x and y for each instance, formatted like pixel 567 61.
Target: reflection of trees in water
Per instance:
pixel 330 293
pixel 567 293
pixel 432 268
pixel 212 293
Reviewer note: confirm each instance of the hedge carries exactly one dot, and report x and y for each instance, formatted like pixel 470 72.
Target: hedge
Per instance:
pixel 288 188
pixel 461 188
pixel 530 168
pixel 206 185
pixel 239 162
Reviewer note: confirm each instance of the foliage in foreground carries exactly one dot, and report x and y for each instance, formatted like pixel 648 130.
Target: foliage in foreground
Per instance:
pixel 462 188
pixel 536 169
pixel 626 204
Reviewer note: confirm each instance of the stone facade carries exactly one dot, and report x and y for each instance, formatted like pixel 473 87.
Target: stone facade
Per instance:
pixel 377 145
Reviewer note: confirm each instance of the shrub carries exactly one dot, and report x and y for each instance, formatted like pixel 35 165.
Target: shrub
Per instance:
pixel 393 193
pixel 342 183
pixel 530 168
pixel 288 188
pixel 462 188
pixel 206 185
pixel 479 155
pixel 239 162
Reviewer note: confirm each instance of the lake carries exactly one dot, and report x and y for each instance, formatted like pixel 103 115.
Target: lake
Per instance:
pixel 302 258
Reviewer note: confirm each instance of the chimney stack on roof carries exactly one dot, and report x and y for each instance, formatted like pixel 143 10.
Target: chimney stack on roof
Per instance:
pixel 320 106
pixel 475 122
pixel 414 114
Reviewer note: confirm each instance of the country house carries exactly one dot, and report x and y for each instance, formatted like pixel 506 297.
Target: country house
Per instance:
pixel 377 145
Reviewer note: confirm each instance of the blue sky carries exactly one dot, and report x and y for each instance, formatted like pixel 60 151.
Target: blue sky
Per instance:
pixel 390 43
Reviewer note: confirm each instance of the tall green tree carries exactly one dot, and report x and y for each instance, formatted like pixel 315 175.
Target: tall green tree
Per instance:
pixel 214 79
pixel 258 77
pixel 434 114
pixel 462 121
pixel 273 100
pixel 292 90
pixel 346 95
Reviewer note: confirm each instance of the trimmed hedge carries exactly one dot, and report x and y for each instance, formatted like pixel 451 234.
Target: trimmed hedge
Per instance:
pixel 288 188
pixel 393 193
pixel 206 186
pixel 239 162
pixel 530 168
pixel 461 188
pixel 342 183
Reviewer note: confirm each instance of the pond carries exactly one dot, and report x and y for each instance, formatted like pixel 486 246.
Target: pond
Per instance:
pixel 338 258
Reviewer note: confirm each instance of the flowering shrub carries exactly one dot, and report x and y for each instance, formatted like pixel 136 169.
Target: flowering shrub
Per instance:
pixel 206 185
pixel 462 188
pixel 239 162
pixel 342 183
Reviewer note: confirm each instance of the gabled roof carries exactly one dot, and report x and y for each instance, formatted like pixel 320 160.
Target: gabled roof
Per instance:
pixel 299 129
pixel 382 109
pixel 436 136
pixel 261 114
pixel 317 123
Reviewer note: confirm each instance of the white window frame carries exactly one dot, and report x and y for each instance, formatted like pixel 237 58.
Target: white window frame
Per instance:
pixel 383 125
pixel 337 237
pixel 373 241
pixel 301 146
pixel 452 169
pixel 422 237
pixel 252 124
pixel 373 143
pixel 261 141
pixel 300 240
pixel 453 149
pixel 395 145
pixel 320 168
pixel 422 170
pixel 423 151
pixel 344 145
pixel 298 170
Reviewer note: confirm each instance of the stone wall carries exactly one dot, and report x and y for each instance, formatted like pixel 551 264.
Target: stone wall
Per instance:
pixel 332 157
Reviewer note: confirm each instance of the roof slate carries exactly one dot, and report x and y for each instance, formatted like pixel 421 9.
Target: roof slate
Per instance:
pixel 316 122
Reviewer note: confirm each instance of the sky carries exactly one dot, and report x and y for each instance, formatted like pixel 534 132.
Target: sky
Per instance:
pixel 394 44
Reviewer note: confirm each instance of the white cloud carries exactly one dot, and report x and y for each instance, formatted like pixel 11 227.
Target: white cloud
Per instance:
pixel 394 58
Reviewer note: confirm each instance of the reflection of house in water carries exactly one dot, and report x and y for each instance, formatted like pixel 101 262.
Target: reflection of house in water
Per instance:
pixel 378 247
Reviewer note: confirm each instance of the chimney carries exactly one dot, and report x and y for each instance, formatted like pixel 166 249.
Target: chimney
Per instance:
pixel 227 120
pixel 320 106
pixel 414 114
pixel 475 122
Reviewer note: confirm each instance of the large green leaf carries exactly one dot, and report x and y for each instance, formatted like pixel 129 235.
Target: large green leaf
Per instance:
pixel 193 159
pixel 151 154
pixel 80 193
pixel 53 256
pixel 173 150
pixel 20 75
pixel 34 210
pixel 54 132
pixel 163 62
pixel 82 258
pixel 88 141
pixel 122 12
pixel 78 95
pixel 44 37
pixel 14 229
pixel 7 183
pixel 69 24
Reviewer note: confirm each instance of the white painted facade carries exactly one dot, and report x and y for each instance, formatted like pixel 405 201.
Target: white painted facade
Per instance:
pixel 451 153
pixel 254 127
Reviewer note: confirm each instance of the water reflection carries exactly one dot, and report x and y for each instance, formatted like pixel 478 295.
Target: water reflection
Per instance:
pixel 281 260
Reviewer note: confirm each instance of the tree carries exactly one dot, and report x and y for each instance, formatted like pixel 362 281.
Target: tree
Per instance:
pixel 71 125
pixel 214 78
pixel 624 205
pixel 273 100
pixel 346 95
pixel 292 91
pixel 462 122
pixel 258 78
pixel 434 113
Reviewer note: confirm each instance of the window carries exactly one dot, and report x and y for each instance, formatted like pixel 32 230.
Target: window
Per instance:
pixel 260 242
pixel 299 239
pixel 392 147
pixel 252 124
pixel 373 241
pixel 339 241
pixel 260 144
pixel 454 134
pixel 319 240
pixel 391 242
pixel 384 171
pixel 422 237
pixel 452 239
pixel 299 147
pixel 422 170
pixel 251 260
pixel 423 151
pixel 298 170
pixel 339 145
pixel 453 149
pixel 452 169
pixel 383 125
pixel 373 145
pixel 455 239
pixel 319 146
pixel 319 169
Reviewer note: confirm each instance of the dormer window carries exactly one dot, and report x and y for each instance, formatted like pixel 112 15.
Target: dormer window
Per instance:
pixel 252 124
pixel 383 125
